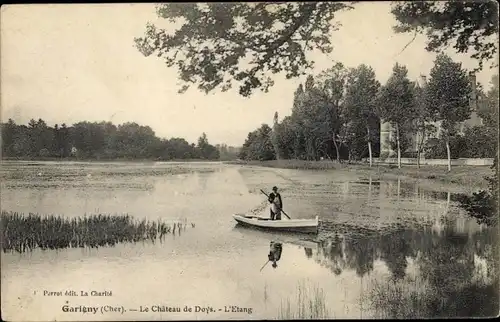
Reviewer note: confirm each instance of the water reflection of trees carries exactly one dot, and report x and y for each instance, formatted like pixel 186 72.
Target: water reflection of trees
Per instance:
pixel 359 252
pixel 446 263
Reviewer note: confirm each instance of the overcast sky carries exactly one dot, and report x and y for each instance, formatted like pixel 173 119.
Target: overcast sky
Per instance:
pixel 69 63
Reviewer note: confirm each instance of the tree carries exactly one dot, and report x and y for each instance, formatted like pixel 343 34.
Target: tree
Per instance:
pixel 396 103
pixel 490 114
pixel 360 101
pixel 313 115
pixel 349 135
pixel 479 143
pixel 448 94
pixel 332 88
pixel 488 111
pixel 89 140
pixel 206 150
pixel 8 137
pixel 57 144
pixel 220 43
pixel 309 128
pixel 285 137
pixel 421 123
pixel 296 122
pixel 258 145
pixel 472 26
pixel 275 136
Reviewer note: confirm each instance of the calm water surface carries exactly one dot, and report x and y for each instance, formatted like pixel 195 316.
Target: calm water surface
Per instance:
pixel 384 248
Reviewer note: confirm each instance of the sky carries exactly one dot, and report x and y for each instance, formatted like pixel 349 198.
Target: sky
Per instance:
pixel 67 63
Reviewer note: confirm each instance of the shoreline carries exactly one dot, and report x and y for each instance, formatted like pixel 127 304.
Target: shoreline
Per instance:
pixel 103 160
pixel 464 178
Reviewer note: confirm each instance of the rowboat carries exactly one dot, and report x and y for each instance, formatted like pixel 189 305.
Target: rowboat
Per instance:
pixel 291 225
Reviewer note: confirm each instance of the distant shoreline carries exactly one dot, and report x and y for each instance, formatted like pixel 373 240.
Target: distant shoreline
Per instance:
pixel 471 177
pixel 104 160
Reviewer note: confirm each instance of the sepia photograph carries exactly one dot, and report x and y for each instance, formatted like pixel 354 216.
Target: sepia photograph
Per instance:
pixel 341 160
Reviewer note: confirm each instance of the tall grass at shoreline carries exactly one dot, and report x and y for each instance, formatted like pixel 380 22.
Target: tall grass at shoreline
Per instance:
pixel 309 304
pixel 414 298
pixel 22 233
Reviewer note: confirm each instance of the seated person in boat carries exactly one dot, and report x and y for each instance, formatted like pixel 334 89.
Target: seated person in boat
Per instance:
pixel 275 253
pixel 276 204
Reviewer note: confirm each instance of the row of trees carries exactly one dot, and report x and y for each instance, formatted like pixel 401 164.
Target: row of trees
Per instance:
pixel 93 140
pixel 337 114
pixel 329 118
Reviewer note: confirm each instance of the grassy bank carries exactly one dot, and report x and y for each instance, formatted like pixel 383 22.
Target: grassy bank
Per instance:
pixel 470 176
pixel 21 233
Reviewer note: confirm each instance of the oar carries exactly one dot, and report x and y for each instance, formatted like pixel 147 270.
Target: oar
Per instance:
pixel 278 207
pixel 264 266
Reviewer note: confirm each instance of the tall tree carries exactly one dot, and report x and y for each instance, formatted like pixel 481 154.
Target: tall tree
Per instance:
pixel 286 133
pixel 8 137
pixel 258 145
pixel 360 101
pixel 332 84
pixel 313 115
pixel 422 120
pixel 65 140
pixel 207 151
pixel 448 95
pixel 489 109
pixel 396 103
pixel 275 135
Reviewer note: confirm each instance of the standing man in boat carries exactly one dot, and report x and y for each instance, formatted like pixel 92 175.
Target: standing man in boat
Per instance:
pixel 276 204
pixel 275 253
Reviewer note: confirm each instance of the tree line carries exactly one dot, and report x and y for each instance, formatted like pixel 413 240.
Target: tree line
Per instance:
pixel 337 115
pixel 100 140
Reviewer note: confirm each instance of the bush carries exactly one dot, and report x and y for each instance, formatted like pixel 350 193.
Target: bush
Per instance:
pixel 480 142
pixel 483 205
pixel 409 154
pixel 436 148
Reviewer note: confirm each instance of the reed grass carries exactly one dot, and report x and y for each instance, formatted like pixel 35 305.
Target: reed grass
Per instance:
pixel 310 303
pixel 398 299
pixel 22 233
pixel 414 298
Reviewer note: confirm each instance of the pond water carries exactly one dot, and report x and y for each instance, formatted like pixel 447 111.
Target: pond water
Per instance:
pixel 384 248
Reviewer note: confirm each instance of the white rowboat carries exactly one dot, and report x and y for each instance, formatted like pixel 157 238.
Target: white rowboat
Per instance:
pixel 292 225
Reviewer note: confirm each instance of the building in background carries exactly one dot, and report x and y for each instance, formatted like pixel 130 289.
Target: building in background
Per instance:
pixel 387 131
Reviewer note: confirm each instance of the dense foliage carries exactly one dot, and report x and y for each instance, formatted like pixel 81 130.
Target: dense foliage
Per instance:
pixel 484 205
pixel 219 44
pixel 92 140
pixel 322 124
pixel 470 26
